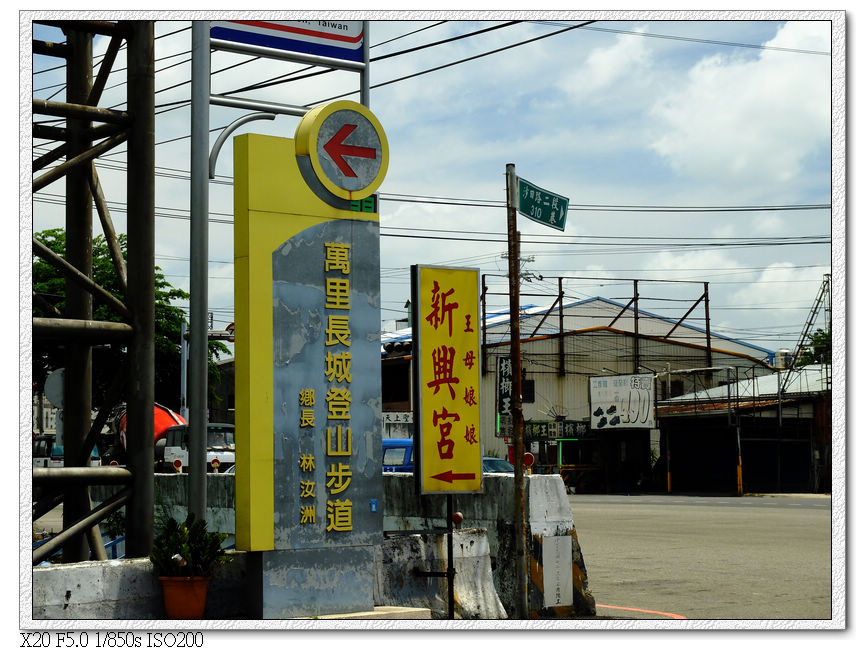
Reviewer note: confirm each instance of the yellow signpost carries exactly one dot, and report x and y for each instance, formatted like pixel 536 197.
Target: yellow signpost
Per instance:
pixel 448 360
pixel 291 295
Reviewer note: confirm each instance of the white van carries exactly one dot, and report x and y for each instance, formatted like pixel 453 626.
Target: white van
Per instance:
pixel 220 446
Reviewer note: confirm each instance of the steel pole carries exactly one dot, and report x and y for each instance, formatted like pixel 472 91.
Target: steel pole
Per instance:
pixel 517 395
pixel 141 193
pixel 198 251
pixel 450 544
pixel 184 362
pixel 636 328
pixel 364 74
pixel 79 302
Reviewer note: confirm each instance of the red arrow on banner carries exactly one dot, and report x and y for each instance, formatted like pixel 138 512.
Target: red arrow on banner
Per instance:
pixel 450 477
pixel 337 150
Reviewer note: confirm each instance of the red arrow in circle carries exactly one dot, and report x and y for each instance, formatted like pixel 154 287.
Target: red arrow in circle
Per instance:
pixel 450 477
pixel 337 150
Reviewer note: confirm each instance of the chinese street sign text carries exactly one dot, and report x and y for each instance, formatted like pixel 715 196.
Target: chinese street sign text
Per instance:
pixel 449 365
pixel 542 206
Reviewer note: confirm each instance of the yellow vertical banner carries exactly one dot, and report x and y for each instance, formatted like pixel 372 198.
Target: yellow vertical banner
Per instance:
pixel 447 360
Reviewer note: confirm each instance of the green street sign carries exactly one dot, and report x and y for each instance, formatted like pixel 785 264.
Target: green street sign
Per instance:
pixel 542 206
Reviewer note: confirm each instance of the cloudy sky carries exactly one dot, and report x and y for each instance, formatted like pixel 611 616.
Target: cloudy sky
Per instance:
pixel 658 131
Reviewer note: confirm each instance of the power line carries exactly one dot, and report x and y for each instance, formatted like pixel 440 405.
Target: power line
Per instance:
pixel 471 58
pixel 692 39
pixel 275 81
pixel 181 174
pixel 557 237
pixel 816 240
pixel 596 207
pixel 495 238
pixel 417 31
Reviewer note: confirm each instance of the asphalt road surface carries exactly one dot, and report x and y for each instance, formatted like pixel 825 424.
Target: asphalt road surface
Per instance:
pixel 729 558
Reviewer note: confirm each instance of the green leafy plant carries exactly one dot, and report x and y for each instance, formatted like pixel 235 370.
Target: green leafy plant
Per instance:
pixel 187 549
pixel 114 525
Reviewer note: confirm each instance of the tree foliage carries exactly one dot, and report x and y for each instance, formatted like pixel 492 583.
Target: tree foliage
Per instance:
pixel 50 285
pixel 819 350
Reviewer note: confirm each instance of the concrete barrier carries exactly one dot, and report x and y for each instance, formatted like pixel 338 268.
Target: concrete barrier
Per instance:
pixel 484 552
pixel 548 515
pixel 558 584
pixel 401 561
pixel 127 589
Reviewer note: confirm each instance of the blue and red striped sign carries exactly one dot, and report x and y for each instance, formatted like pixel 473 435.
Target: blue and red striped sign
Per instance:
pixel 336 39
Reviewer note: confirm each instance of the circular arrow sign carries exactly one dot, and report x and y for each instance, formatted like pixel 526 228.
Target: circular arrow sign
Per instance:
pixel 346 146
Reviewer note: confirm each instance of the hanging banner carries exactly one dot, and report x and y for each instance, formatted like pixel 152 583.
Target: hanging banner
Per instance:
pixel 447 353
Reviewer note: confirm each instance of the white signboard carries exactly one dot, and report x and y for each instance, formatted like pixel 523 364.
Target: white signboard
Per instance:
pixel 337 39
pixel 558 571
pixel 622 402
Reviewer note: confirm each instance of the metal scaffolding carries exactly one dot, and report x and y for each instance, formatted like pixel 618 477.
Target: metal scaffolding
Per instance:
pixel 80 143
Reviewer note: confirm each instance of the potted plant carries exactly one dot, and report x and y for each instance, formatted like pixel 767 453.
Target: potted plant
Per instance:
pixel 184 556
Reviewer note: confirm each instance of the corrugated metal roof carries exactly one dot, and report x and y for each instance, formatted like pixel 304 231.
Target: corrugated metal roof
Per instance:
pixel 600 312
pixel 807 379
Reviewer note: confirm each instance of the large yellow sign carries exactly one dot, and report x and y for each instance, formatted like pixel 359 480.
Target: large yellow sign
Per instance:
pixel 306 324
pixel 448 360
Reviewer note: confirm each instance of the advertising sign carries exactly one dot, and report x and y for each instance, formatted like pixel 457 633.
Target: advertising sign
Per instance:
pixel 447 335
pixel 504 384
pixel 622 402
pixel 336 39
pixel 549 431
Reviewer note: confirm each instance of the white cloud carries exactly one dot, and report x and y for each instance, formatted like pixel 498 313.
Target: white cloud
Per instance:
pixel 605 68
pixel 602 118
pixel 750 124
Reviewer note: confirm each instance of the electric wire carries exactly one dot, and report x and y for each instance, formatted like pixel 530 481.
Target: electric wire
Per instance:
pixel 279 80
pixel 465 60
pixel 692 39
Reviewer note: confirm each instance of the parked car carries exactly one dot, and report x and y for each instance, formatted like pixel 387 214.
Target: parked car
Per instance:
pixel 397 455
pixel 492 465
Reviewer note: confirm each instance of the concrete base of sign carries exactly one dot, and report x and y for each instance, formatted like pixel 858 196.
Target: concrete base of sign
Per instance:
pixel 402 560
pixel 311 582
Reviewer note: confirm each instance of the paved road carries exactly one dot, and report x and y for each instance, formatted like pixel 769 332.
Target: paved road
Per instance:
pixel 764 557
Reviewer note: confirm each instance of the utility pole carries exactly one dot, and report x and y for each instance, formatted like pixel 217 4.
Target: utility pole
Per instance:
pixel 517 395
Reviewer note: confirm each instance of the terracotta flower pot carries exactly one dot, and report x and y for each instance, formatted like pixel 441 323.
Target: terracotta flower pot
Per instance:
pixel 184 597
